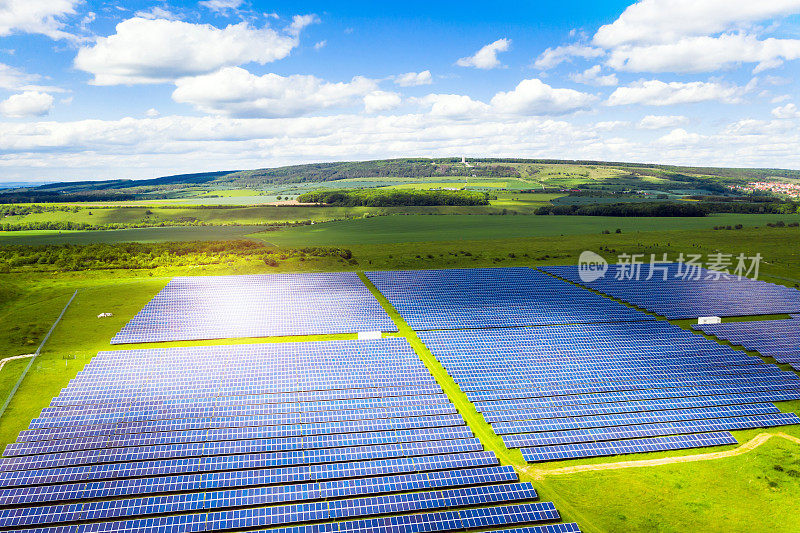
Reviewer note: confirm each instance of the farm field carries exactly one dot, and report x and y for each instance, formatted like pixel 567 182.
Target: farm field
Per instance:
pixel 382 230
pixel 154 216
pixel 166 234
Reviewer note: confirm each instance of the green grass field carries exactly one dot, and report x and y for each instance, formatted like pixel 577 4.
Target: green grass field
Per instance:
pixel 175 215
pixel 400 229
pixel 167 234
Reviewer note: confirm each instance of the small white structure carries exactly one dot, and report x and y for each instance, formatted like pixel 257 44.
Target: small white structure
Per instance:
pixel 709 320
pixel 104 315
pixel 369 335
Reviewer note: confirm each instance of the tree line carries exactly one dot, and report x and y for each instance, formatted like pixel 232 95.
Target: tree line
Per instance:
pixel 627 209
pixel 393 197
pixel 104 256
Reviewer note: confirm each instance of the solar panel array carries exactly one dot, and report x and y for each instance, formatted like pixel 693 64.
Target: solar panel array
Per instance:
pixel 700 293
pixel 588 390
pixel 216 307
pixel 779 339
pixel 493 297
pixel 329 436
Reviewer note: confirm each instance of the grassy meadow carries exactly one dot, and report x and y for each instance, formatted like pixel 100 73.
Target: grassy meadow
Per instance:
pixel 411 228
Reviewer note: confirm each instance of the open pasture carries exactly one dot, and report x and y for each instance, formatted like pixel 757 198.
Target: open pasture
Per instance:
pixel 401 229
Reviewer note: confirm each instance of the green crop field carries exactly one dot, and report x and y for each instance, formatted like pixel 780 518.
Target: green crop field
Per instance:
pixel 167 234
pixel 398 229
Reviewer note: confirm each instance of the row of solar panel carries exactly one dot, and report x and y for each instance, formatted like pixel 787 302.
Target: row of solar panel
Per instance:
pixel 493 379
pixel 482 382
pixel 337 440
pixel 192 459
pixel 241 414
pixel 249 399
pixel 251 497
pixel 457 520
pixel 499 411
pixel 639 382
pixel 328 510
pixel 649 430
pixel 709 389
pixel 195 419
pixel 257 432
pixel 629 419
pixel 53 416
pixel 593 400
pixel 77 490
pixel 622 447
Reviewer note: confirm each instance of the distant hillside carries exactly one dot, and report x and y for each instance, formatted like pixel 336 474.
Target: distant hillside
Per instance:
pixel 706 178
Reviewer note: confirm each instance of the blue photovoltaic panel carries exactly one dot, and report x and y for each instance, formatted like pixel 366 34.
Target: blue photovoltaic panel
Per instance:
pixel 310 434
pixel 493 297
pixel 523 440
pixel 581 383
pixel 622 447
pixel 772 338
pixel 677 290
pixel 206 307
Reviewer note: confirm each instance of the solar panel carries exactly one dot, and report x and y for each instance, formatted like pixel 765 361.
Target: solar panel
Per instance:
pixel 650 430
pixel 572 385
pixel 676 290
pixel 205 307
pixel 772 338
pixel 622 447
pixel 492 297
pixel 319 435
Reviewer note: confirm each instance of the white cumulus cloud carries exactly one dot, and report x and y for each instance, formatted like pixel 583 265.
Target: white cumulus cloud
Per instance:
pixel 652 21
pixel 680 137
pixel 657 122
pixel 26 104
pixel 36 16
pixel 534 97
pixel 233 91
pixel 158 51
pixel 593 76
pixel 486 57
pixel 705 54
pixel 787 111
pixel 413 79
pixel 379 101
pixel 457 106
pixel 660 93
pixel 697 36
pixel 221 6
pixel 553 57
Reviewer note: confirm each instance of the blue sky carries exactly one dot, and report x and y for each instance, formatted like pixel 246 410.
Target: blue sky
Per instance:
pixel 98 90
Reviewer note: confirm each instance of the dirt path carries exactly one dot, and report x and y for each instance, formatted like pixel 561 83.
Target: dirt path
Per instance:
pixel 749 446
pixel 7 359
